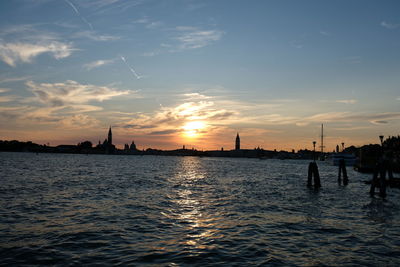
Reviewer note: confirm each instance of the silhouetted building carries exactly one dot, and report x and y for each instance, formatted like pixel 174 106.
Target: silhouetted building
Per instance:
pixel 237 144
pixel 109 141
pixel 107 145
pixel 133 146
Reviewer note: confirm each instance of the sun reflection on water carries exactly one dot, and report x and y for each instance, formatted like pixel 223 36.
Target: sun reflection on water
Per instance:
pixel 191 207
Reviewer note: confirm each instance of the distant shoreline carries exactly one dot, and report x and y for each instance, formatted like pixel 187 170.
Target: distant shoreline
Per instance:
pixel 17 146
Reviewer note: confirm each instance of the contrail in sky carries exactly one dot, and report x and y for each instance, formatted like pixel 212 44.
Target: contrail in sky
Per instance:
pixel 130 68
pixel 79 14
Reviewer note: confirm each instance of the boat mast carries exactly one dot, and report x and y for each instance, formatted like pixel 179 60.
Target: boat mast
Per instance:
pixel 322 139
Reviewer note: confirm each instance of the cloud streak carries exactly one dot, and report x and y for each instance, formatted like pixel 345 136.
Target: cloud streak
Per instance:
pixel 92 35
pixel 377 118
pixel 171 120
pixel 79 14
pixel 71 92
pixel 13 53
pixel 98 63
pixel 388 25
pixel 14 79
pixel 106 6
pixel 192 38
pixel 347 101
pixel 137 76
pixel 7 98
pixel 149 24
pixel 79 121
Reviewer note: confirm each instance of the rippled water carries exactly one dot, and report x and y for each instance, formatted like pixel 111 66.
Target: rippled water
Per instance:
pixel 78 210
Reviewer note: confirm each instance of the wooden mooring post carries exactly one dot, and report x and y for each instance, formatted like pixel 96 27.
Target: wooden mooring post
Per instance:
pixel 379 178
pixel 313 172
pixel 342 170
pixel 384 165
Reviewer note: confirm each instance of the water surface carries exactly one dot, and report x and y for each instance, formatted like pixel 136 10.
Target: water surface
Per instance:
pixel 62 209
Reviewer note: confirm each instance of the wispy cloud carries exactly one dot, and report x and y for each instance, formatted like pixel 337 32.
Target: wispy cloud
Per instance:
pixel 151 53
pixel 23 43
pixel 8 98
pixel 148 23
pixel 324 33
pixel 61 104
pixel 13 53
pixel 347 101
pixel 55 116
pixel 14 112
pixel 181 37
pixel 377 118
pixel 195 96
pixel 143 20
pixel 3 90
pixel 388 25
pixel 154 25
pixel 351 128
pixel 73 7
pixel 97 4
pixel 106 6
pixel 379 122
pixel 137 76
pixel 14 79
pixel 92 35
pixel 29 33
pixel 79 14
pixel 71 92
pixel 165 132
pixel 79 121
pixel 172 120
pixel 213 113
pixel 353 59
pixel 297 44
pixel 98 63
pixel 192 38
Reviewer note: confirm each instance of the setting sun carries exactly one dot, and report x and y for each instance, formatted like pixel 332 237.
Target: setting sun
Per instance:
pixel 192 129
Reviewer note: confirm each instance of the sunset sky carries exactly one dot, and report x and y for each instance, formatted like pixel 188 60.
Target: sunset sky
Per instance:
pixel 194 73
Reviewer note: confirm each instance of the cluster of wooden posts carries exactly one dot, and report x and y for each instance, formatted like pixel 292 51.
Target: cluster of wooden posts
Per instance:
pixel 378 180
pixel 383 166
pixel 314 173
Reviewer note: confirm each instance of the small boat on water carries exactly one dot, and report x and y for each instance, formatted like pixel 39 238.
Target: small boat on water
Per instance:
pixel 349 159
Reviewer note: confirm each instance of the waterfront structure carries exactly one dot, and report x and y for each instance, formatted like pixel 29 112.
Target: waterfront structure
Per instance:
pixel 133 146
pixel 107 145
pixel 237 143
pixel 109 140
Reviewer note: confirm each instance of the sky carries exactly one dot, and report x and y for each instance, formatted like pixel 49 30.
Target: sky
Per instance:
pixel 183 72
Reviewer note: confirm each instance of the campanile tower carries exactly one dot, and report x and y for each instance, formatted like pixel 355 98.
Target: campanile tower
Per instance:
pixel 237 144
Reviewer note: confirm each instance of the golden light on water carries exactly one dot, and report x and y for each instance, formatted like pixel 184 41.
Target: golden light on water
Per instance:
pixel 193 129
pixel 191 209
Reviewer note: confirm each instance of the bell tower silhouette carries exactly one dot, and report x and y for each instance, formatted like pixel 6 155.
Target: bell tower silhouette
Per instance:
pixel 237 144
pixel 109 140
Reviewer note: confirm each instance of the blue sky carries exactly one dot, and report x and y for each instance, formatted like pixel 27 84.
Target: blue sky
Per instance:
pixel 168 73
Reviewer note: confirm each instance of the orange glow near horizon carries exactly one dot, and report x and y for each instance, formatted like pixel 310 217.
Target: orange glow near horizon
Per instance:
pixel 193 129
pixel 200 134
